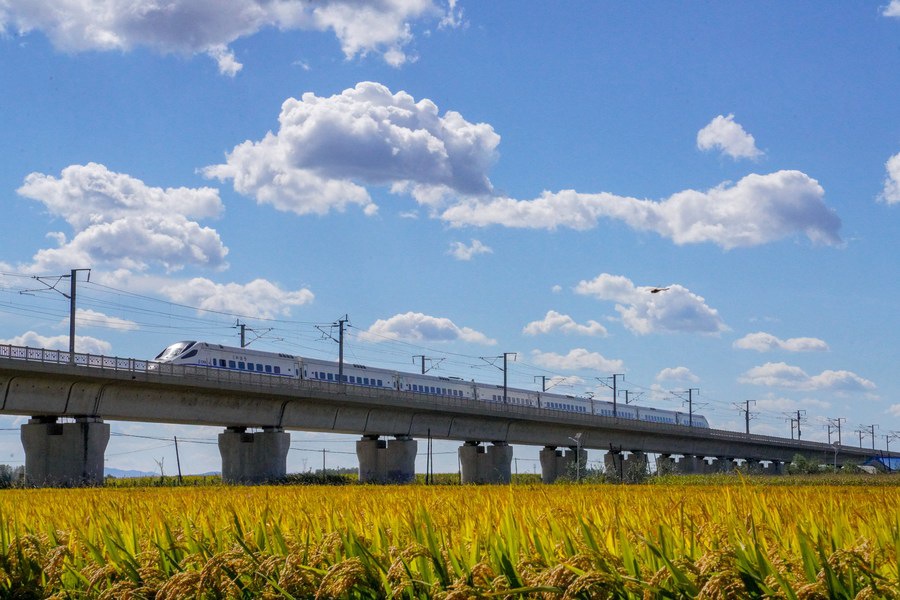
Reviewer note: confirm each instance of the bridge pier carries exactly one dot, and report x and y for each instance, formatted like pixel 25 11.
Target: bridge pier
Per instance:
pixel 691 465
pixel 556 463
pixel 723 464
pixel 613 464
pixel 635 465
pixel 386 461
pixel 254 457
pixel 775 467
pixel 665 464
pixel 64 454
pixel 485 464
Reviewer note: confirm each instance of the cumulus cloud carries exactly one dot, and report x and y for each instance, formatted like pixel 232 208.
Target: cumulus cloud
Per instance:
pixel 782 375
pixel 677 374
pixel 83 343
pixel 328 149
pixel 756 210
pixel 189 27
pixel 891 192
pixel 86 317
pixel 460 251
pixel 576 359
pixel 729 137
pixel 554 321
pixel 788 404
pixel 120 222
pixel 418 327
pixel 766 342
pixel 894 409
pixel 676 309
pixel 892 9
pixel 259 298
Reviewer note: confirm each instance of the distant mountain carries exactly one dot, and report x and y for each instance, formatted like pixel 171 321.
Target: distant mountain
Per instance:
pixel 125 474
pixel 131 473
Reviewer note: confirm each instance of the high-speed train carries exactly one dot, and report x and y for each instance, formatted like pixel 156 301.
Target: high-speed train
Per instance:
pixel 216 356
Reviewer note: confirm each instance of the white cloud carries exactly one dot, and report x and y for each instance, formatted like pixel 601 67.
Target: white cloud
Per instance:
pixel 418 327
pixel 120 222
pixel 576 359
pixel 259 298
pixel 756 210
pixel 460 251
pixel 676 309
pixel 729 137
pixel 554 321
pixel 189 27
pixel 327 149
pixel 83 343
pixel 677 374
pixel 788 404
pixel 85 317
pixel 892 9
pixel 782 375
pixel 894 409
pixel 766 342
pixel 891 192
pixel 556 289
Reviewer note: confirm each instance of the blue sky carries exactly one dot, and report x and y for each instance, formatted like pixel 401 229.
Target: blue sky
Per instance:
pixel 463 180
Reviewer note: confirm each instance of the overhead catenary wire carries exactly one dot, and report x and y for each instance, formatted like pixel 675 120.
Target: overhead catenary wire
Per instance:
pixel 364 346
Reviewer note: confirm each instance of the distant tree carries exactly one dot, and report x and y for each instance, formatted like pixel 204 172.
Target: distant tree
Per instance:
pixel 11 476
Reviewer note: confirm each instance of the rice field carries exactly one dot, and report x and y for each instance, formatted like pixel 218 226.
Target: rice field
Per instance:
pixel 561 541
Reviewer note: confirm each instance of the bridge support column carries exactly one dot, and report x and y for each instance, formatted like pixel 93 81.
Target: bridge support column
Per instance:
pixel 635 465
pixel 387 461
pixel 613 464
pixel 64 454
pixel 752 466
pixel 691 465
pixel 723 465
pixel 254 457
pixel 775 467
pixel 486 464
pixel 556 463
pixel 665 464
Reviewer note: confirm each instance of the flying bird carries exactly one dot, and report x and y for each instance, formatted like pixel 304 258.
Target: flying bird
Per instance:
pixel 657 290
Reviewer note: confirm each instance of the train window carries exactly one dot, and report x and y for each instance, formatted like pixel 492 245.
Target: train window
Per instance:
pixel 259 367
pixel 268 368
pixel 330 377
pixel 277 370
pixel 379 383
pixel 241 366
pixel 231 364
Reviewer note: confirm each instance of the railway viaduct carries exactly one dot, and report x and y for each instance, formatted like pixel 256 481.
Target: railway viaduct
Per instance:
pixel 68 397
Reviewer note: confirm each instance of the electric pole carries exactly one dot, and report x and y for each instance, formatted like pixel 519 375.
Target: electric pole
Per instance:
pixel 798 421
pixel 73 290
pixel 612 386
pixel 505 356
pixel 872 429
pixel 747 416
pixel 690 401
pixel 837 423
pixel 429 359
pixel 340 324
pixel 630 396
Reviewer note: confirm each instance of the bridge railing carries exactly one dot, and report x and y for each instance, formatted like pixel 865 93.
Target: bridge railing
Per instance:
pixel 247 378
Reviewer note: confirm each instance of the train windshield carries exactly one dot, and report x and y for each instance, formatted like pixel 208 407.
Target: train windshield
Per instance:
pixel 173 351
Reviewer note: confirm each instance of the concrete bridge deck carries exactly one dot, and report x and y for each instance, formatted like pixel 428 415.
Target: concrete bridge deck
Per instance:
pixel 48 383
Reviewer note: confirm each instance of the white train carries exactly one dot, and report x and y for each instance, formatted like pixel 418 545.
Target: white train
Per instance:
pixel 216 356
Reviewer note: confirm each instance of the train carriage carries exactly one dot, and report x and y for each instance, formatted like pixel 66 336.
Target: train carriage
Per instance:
pixel 217 356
